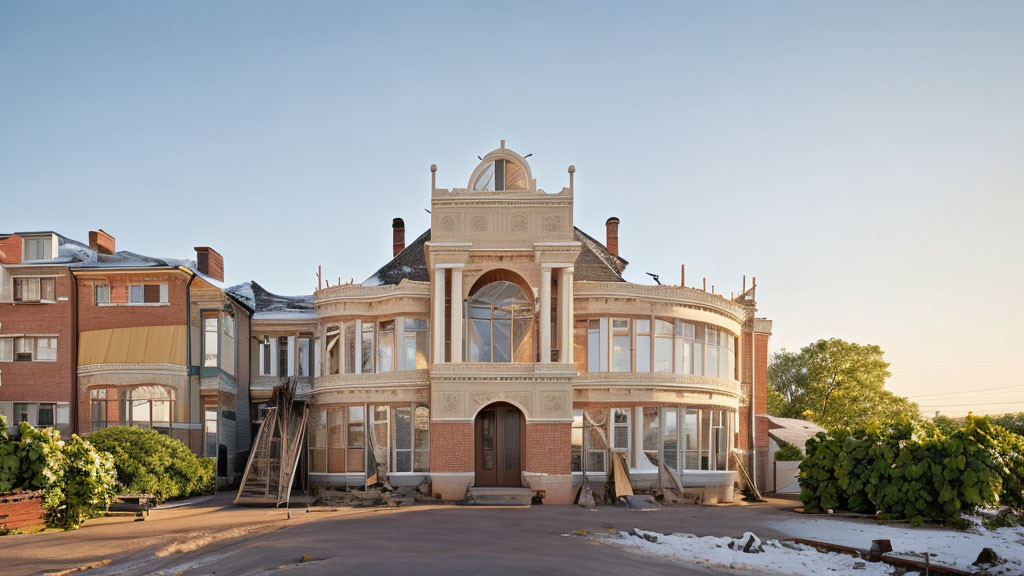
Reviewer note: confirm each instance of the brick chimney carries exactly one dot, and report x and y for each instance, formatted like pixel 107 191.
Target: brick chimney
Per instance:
pixel 101 242
pixel 210 262
pixel 397 236
pixel 611 228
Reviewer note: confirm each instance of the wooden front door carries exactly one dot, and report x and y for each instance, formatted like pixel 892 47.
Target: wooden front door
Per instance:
pixel 499 441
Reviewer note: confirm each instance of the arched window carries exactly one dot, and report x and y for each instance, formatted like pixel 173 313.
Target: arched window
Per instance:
pixel 500 315
pixel 501 175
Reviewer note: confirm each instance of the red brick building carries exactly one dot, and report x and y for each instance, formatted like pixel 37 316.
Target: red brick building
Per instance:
pixel 91 337
pixel 37 331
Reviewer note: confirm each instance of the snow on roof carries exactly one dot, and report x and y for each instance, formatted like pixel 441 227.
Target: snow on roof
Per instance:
pixel 269 306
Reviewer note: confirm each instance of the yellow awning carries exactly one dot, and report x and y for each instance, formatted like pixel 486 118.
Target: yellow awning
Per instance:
pixel 141 345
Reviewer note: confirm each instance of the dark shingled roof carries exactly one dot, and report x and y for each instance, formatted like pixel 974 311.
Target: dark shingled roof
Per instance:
pixel 267 305
pixel 595 263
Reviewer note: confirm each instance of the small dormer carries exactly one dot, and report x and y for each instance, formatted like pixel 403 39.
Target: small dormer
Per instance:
pixel 39 247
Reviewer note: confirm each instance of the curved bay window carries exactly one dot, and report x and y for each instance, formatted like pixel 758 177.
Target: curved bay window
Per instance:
pixel 499 318
pixel 149 406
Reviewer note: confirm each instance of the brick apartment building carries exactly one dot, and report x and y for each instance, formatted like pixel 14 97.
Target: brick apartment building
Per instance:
pixel 37 331
pixel 91 337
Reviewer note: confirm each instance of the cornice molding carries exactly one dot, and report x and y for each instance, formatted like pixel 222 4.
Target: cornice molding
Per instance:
pixel 161 369
pixel 358 292
pixel 672 294
pixel 675 382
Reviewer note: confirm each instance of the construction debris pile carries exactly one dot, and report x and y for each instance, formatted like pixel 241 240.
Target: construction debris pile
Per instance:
pixel 385 496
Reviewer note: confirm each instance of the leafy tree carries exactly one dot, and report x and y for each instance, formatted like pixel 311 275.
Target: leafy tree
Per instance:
pixel 945 425
pixel 835 383
pixel 1013 422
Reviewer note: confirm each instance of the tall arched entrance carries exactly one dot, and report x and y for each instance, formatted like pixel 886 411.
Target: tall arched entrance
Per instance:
pixel 499 430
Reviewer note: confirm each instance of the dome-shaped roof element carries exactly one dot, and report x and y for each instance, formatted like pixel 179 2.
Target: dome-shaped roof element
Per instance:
pixel 501 170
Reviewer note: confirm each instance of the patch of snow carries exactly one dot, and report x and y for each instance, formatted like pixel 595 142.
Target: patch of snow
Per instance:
pixel 374 280
pixel 244 293
pixel 950 547
pixel 714 552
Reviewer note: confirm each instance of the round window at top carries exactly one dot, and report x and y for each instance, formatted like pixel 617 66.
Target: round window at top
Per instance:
pixel 501 175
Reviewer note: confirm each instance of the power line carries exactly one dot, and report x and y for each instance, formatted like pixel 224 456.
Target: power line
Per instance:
pixel 959 364
pixel 967 391
pixel 970 404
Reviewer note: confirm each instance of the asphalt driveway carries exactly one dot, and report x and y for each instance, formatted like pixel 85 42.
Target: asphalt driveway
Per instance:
pixel 217 538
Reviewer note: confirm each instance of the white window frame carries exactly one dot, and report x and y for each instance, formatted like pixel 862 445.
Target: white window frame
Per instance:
pixel 97 288
pixel 35 283
pixel 6 349
pixel 141 286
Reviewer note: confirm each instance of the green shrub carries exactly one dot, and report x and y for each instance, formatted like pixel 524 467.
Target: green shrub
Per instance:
pixel 890 471
pixel 788 453
pixel 152 463
pixel 10 464
pixel 89 489
pixel 76 480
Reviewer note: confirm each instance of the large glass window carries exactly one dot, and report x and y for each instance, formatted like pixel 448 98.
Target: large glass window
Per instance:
pixel 711 339
pixel 282 356
pixel 386 346
pixel 350 347
pixel 692 443
pixel 45 416
pixel 621 435
pixel 102 293
pixel 421 439
pixel 663 346
pixel 643 345
pixel 147 293
pixel 210 430
pixel 651 422
pixel 597 347
pixel 34 290
pixel 46 349
pixel 622 349
pixel 6 349
pixel 317 441
pixel 500 317
pixel 356 438
pixel 265 356
pixel 589 442
pixel 304 349
pixel 367 346
pixel 38 249
pixel 670 439
pixel 210 342
pixel 333 350
pixel 24 349
pixel 417 343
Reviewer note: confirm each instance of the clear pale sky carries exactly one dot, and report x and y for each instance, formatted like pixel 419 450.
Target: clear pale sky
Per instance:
pixel 864 160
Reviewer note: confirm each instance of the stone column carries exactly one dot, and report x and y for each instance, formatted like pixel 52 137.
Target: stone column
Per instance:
pixel 456 314
pixel 545 314
pixel 358 356
pixel 564 321
pixel 437 315
pixel 567 278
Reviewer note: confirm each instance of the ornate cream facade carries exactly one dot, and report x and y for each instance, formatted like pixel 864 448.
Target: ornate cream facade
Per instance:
pixel 503 347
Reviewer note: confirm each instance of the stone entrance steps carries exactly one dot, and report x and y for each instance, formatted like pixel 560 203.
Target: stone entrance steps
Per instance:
pixel 499 496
